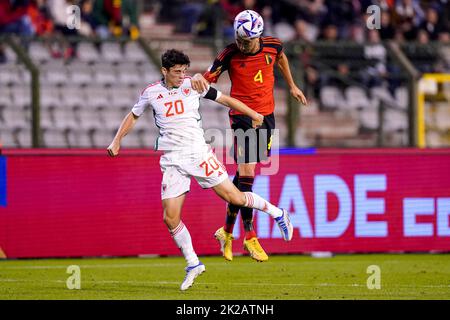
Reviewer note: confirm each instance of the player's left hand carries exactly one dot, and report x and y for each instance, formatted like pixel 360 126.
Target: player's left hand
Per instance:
pixel 298 95
pixel 258 122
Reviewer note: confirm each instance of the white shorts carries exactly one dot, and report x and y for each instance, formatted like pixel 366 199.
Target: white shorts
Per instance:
pixel 178 168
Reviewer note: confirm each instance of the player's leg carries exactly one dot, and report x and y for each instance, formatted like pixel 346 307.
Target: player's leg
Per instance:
pixel 173 192
pixel 225 234
pixel 251 243
pixel 181 236
pixel 228 192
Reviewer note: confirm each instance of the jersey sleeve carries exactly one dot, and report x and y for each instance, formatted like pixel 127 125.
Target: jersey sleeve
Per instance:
pixel 142 104
pixel 211 94
pixel 221 63
pixel 274 43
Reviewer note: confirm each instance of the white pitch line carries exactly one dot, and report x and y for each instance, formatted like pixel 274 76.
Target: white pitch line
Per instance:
pixel 232 284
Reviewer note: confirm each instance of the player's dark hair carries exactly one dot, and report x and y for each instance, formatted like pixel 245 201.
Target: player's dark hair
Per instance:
pixel 172 57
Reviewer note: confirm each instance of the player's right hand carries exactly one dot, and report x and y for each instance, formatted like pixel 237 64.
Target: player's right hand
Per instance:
pixel 113 149
pixel 256 123
pixel 199 83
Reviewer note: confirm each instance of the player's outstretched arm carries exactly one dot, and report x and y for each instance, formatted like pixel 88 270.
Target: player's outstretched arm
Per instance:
pixel 125 127
pixel 283 64
pixel 257 119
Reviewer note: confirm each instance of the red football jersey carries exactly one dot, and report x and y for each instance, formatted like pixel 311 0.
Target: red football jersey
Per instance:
pixel 252 76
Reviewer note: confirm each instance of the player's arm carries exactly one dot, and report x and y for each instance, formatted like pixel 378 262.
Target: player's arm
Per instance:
pixel 125 127
pixel 283 64
pixel 235 104
pixel 232 103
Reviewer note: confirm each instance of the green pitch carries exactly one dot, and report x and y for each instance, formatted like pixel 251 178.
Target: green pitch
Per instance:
pixel 423 276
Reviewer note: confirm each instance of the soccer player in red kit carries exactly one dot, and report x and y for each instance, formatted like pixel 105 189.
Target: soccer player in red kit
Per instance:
pixel 250 64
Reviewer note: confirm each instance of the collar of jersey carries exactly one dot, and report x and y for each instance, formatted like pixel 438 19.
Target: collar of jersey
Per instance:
pixel 163 83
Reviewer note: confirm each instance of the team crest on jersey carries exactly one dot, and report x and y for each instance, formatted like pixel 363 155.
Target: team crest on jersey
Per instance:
pixel 268 59
pixel 186 91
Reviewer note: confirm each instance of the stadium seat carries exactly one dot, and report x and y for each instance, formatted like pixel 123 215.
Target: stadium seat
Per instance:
pixel 134 53
pixel 128 74
pixel 22 138
pixel 73 97
pixel 55 73
pixel 331 98
pixel 50 96
pixel 123 96
pixel 5 97
pixel 7 138
pixel 356 98
pixel 87 52
pixel 39 52
pixel 111 52
pixel 369 119
pixel 97 97
pixel 79 72
pixel 443 117
pixel 54 138
pixel 401 97
pixel 10 74
pixel 21 96
pixel 104 73
pixel 395 120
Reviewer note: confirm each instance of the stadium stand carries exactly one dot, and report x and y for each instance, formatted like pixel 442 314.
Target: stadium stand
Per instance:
pixel 354 87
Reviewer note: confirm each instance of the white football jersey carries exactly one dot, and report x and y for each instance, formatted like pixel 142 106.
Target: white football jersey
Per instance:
pixel 176 113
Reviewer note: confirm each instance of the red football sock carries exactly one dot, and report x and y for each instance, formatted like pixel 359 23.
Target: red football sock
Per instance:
pixel 250 234
pixel 228 228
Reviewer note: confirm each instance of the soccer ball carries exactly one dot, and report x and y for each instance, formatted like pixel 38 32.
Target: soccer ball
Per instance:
pixel 248 24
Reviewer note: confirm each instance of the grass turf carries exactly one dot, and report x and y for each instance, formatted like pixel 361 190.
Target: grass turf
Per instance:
pixel 407 276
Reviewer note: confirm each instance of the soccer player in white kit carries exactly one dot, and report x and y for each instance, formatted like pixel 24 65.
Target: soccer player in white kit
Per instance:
pixel 186 154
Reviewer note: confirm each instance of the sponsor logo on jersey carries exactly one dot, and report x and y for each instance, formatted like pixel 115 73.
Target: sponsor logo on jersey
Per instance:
pixel 268 59
pixel 186 92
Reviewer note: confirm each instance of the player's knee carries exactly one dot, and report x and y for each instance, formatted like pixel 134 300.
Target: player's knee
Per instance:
pixel 170 219
pixel 237 198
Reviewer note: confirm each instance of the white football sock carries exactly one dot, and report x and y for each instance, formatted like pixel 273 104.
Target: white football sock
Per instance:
pixel 182 238
pixel 256 202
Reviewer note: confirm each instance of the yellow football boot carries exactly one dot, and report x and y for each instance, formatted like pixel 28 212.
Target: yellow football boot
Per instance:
pixel 255 250
pixel 225 239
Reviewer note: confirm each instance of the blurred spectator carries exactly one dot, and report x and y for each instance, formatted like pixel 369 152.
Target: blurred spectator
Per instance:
pixel 374 51
pixel 190 13
pixel 409 10
pixel 66 46
pixel 423 37
pixel 14 18
pixel 40 17
pixel 431 24
pixel 387 30
pixel 130 23
pixel 329 33
pixel 107 18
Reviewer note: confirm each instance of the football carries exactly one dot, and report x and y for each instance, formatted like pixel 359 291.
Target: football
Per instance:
pixel 248 24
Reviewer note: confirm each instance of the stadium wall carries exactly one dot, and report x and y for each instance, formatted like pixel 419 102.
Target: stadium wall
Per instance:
pixel 72 203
